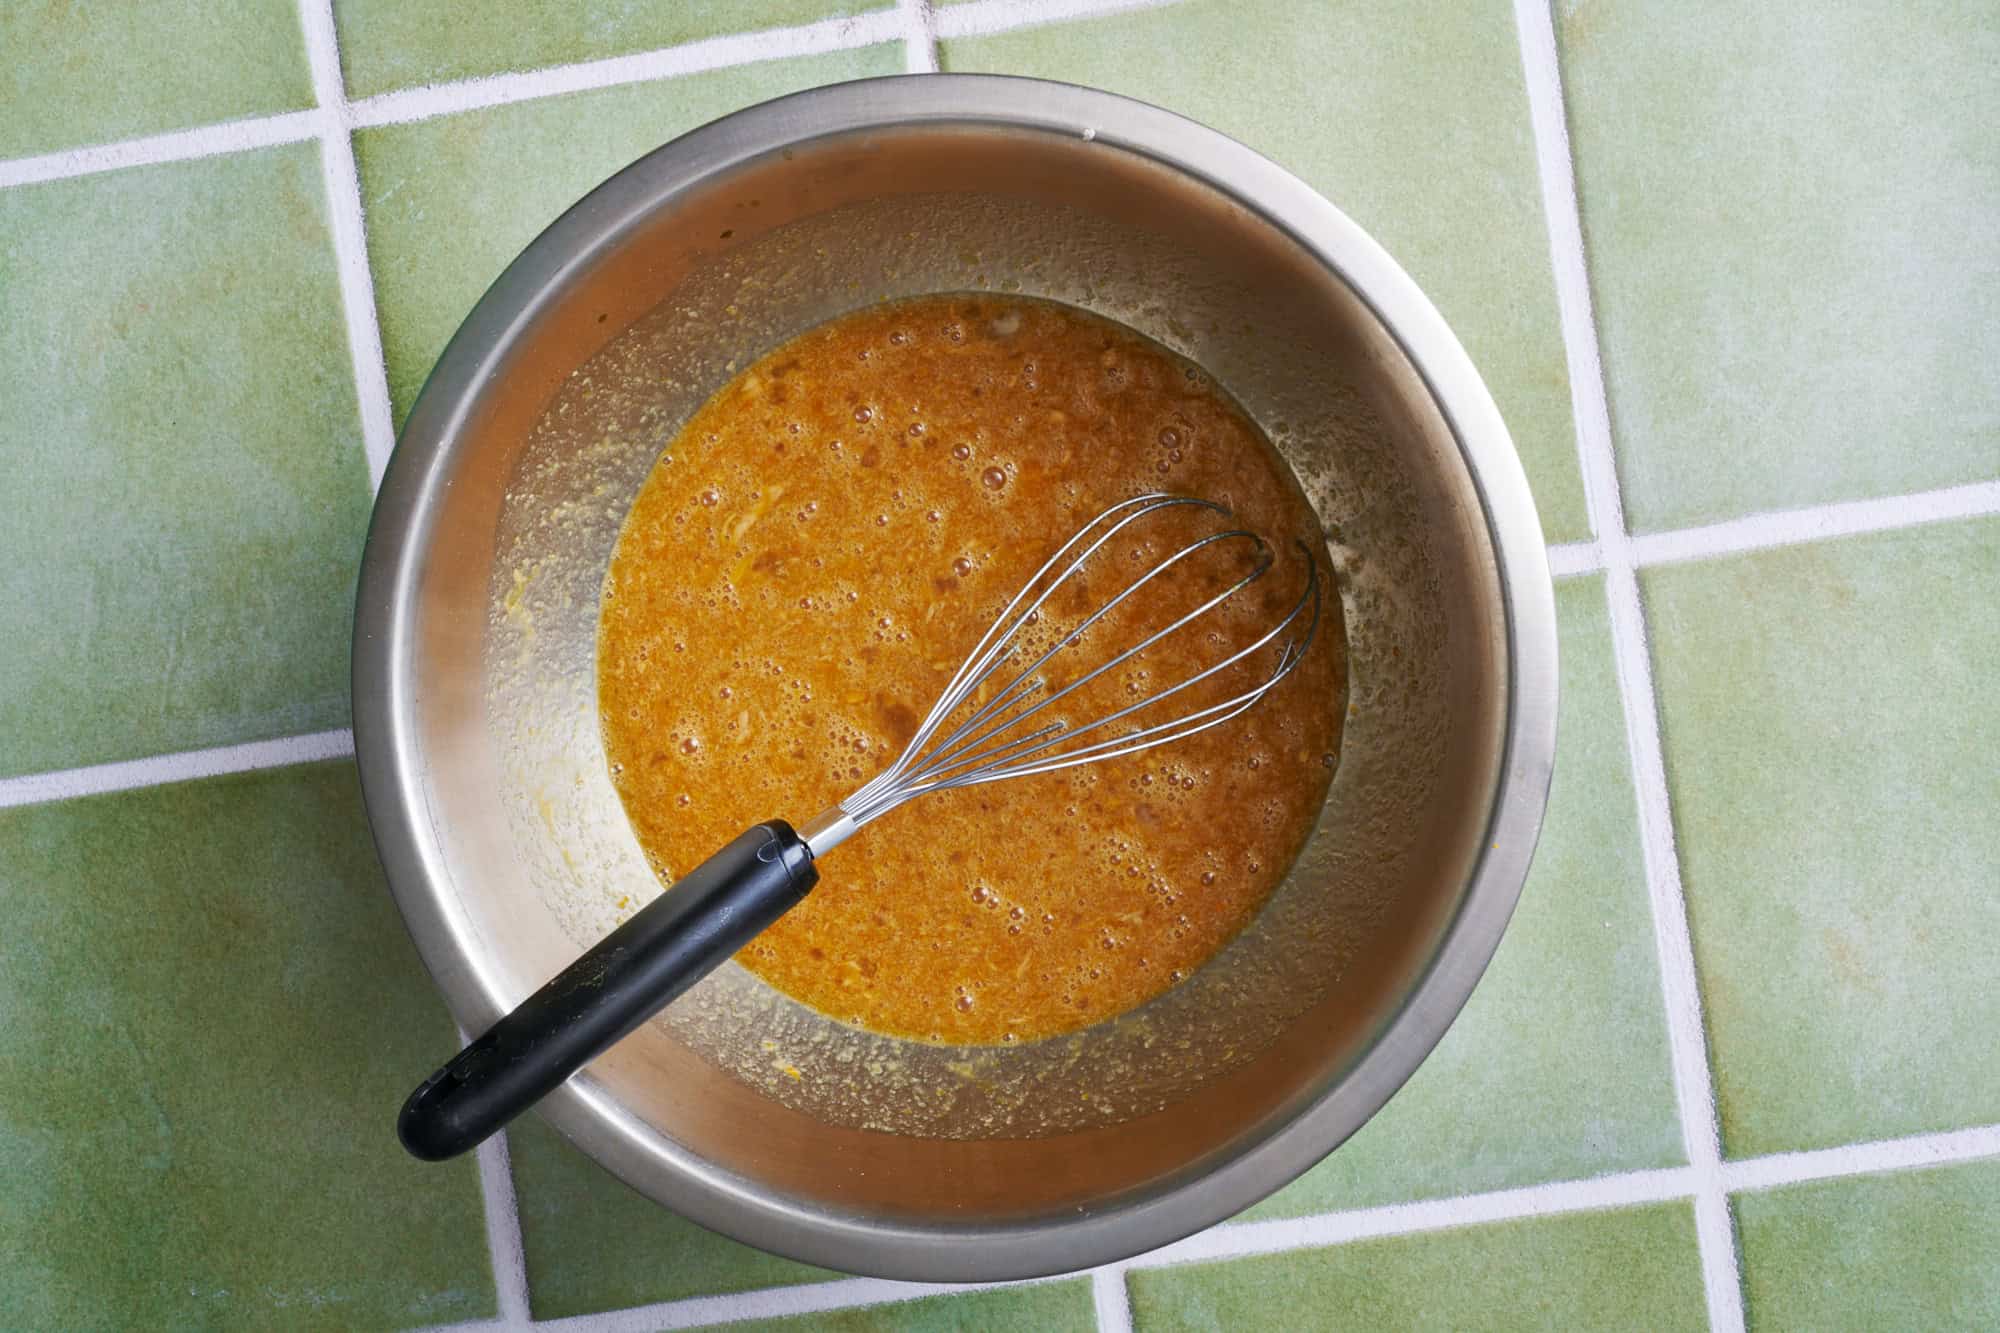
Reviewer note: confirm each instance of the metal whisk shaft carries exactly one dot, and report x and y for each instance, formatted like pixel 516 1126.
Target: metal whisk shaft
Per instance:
pixel 980 749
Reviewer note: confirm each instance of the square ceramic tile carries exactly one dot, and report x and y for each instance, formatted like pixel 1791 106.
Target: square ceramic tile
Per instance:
pixel 186 491
pixel 1558 1066
pixel 452 201
pixel 1417 129
pixel 1912 1249
pixel 1828 719
pixel 1789 215
pixel 592 1243
pixel 396 43
pixel 1044 1307
pixel 1633 1269
pixel 209 1013
pixel 76 74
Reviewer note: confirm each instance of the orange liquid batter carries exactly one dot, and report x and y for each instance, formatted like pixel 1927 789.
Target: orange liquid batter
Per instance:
pixel 823 544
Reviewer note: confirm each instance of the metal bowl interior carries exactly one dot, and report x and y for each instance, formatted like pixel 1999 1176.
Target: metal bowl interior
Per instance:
pixel 475 712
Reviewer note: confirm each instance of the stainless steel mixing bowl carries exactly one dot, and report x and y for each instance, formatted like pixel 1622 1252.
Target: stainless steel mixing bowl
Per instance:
pixel 475 713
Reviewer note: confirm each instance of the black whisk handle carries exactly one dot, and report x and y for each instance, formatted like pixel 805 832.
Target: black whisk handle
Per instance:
pixel 630 975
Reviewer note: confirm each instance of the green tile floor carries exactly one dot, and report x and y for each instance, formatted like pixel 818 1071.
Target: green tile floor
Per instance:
pixel 89 74
pixel 1789 214
pixel 1917 1249
pixel 186 489
pixel 1835 794
pixel 206 1001
pixel 1624 1269
pixel 206 997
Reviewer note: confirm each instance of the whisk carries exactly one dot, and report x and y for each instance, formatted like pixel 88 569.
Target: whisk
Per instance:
pixel 721 905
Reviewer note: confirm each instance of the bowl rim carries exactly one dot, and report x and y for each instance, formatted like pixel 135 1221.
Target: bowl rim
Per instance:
pixel 403 526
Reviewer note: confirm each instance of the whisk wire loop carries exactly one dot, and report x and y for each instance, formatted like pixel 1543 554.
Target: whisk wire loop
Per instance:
pixel 987 653
pixel 978 749
pixel 1027 682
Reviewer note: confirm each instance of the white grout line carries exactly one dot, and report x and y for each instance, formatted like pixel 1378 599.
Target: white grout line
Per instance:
pixel 1232 1240
pixel 350 242
pixel 1792 526
pixel 772 1303
pixel 1241 1240
pixel 232 136
pixel 1109 1300
pixel 503 1230
pixel 1783 527
pixel 742 48
pixel 1687 1041
pixel 187 765
pixel 920 53
pixel 985 17
pixel 1572 280
pixel 1244 1239
pixel 1855 1159
pixel 1573 558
